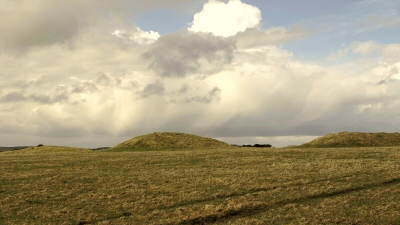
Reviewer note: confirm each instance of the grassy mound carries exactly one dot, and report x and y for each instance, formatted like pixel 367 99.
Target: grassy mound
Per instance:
pixel 355 139
pixel 171 140
pixel 48 149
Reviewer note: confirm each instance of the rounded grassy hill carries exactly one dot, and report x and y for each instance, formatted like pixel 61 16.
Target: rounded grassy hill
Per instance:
pixel 355 139
pixel 171 140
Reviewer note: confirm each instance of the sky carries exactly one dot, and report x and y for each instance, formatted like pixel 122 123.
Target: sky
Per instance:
pixel 96 73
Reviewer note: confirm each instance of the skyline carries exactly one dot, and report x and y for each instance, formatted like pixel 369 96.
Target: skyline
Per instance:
pixel 90 74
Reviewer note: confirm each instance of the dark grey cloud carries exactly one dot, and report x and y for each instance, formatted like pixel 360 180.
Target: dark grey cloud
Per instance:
pixel 212 96
pixel 13 97
pixel 113 81
pixel 191 7
pixel 50 99
pixel 43 99
pixel 70 91
pixel 85 87
pixel 182 54
pixel 107 80
pixel 38 98
pixel 37 23
pixel 184 88
pixel 104 79
pixel 156 88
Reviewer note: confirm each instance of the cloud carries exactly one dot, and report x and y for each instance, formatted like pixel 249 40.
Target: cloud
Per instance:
pixel 226 19
pixel 183 89
pixel 27 24
pixel 177 5
pixel 263 92
pixel 369 48
pixel 38 23
pixel 47 99
pixel 213 96
pixel 34 25
pixel 156 88
pixel 138 36
pixel 389 51
pixel 254 37
pixel 84 87
pixel 13 97
pixel 373 22
pixel 42 99
pixel 242 22
pixel 366 48
pixel 126 81
pixel 300 98
pixel 86 81
pixel 377 15
pixel 183 54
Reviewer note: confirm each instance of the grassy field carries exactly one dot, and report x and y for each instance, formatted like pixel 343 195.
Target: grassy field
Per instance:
pixel 221 186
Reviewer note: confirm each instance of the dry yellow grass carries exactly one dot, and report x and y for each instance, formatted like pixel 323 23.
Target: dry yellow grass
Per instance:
pixel 221 186
pixel 356 139
pixel 171 140
pixel 48 149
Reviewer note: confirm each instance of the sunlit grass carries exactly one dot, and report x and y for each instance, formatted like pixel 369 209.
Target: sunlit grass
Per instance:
pixel 223 186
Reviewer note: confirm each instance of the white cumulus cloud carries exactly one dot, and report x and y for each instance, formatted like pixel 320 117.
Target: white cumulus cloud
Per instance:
pixel 137 35
pixel 226 19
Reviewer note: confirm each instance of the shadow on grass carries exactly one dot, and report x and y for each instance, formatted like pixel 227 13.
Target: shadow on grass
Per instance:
pixel 259 208
pixel 117 216
pixel 248 191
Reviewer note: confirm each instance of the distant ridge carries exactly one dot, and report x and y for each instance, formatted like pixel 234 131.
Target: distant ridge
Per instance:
pixel 356 139
pixel 4 149
pixel 171 140
pixel 48 149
